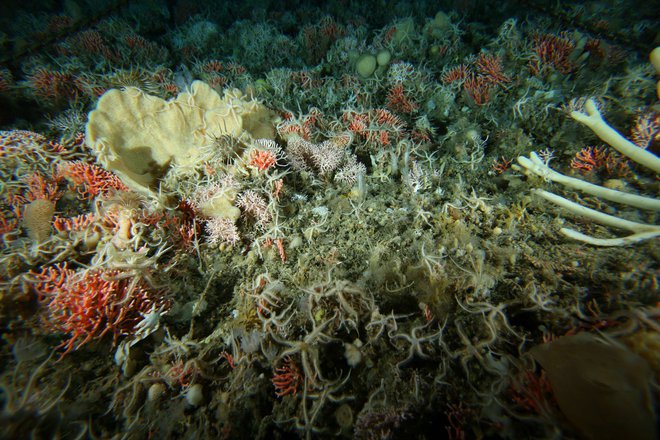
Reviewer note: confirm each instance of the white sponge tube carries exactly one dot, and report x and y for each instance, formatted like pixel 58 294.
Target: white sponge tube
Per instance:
pixel 535 165
pixel 594 120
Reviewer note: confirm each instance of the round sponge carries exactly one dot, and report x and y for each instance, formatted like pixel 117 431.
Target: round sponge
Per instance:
pixel 366 65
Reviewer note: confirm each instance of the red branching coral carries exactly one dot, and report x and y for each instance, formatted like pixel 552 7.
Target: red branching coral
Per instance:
pixel 92 180
pixel 89 304
pixel 287 378
pixel 54 87
pixel 398 100
pixel 552 51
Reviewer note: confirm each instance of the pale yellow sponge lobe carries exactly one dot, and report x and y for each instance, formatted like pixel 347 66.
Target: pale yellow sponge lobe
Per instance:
pixel 655 62
pixel 139 136
pixel 655 59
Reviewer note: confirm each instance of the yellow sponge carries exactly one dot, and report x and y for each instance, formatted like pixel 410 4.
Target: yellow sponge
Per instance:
pixel 139 136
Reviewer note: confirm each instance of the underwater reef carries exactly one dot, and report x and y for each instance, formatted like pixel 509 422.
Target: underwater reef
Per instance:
pixel 364 220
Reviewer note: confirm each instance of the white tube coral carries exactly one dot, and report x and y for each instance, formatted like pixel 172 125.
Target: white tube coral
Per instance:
pixel 640 231
pixel 594 120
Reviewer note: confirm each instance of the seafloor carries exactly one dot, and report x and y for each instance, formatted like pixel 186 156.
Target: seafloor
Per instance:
pixel 284 219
